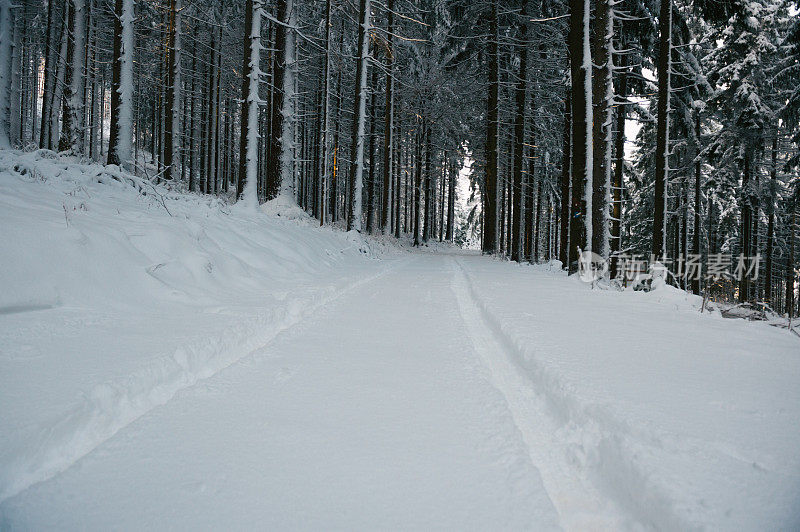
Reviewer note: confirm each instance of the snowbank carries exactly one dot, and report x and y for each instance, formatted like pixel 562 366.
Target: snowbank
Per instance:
pixel 116 294
pixel 688 420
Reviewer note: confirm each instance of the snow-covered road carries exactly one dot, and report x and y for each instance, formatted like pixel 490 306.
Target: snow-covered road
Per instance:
pixel 375 411
pixel 400 403
pixel 224 368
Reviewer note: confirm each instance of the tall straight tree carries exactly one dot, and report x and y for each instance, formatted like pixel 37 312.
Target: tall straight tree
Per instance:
pixel 325 123
pixel 73 92
pixel 49 76
pixel 281 157
pixel 119 143
pixel 603 96
pixel 662 130
pixel 492 125
pixel 357 144
pixel 619 149
pixel 247 188
pixel 566 180
pixel 172 126
pixel 287 140
pixel 519 141
pixel 5 71
pixel 582 119
pixel 388 129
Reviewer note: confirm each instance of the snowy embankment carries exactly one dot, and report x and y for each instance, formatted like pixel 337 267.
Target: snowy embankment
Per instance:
pixel 686 420
pixel 116 294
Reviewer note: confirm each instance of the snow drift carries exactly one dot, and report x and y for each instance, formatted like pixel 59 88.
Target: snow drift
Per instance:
pixel 117 293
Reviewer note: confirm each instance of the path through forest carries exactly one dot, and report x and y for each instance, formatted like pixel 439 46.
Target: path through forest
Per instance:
pixel 450 390
pixel 376 411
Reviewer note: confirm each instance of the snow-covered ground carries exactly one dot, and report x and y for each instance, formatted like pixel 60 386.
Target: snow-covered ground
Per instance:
pixel 168 361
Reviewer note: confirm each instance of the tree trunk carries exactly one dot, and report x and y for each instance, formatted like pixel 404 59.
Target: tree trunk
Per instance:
pixel 357 144
pixel 119 149
pixel 566 169
pixel 76 50
pixel 492 123
pixel 6 30
pixel 49 76
pixel 747 224
pixel 662 130
pixel 582 119
pixel 388 119
pixel 773 187
pixel 519 142
pixel 603 100
pixel 172 127
pixel 247 189
pixel 372 162
pixel 697 204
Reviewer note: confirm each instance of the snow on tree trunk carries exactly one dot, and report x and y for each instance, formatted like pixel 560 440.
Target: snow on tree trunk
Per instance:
pixel 517 197
pixel 71 134
pixel 325 123
pixel 662 130
pixel 288 124
pixel 119 150
pixel 250 193
pixel 582 119
pixel 5 73
pixel 357 150
pixel 587 87
pixel 603 87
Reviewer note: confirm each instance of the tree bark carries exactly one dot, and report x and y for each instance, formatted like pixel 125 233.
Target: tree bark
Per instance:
pixel 662 130
pixel 582 119
pixel 492 123
pixel 356 177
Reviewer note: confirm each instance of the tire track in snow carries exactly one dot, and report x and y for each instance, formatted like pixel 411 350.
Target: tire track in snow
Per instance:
pixel 112 406
pixel 579 504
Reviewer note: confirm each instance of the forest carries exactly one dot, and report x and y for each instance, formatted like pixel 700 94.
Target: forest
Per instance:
pixel 399 265
pixel 365 114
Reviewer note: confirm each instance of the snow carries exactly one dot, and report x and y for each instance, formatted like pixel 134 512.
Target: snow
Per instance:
pixel 169 360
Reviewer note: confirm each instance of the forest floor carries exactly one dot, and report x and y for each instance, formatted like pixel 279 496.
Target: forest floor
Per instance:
pixel 167 361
